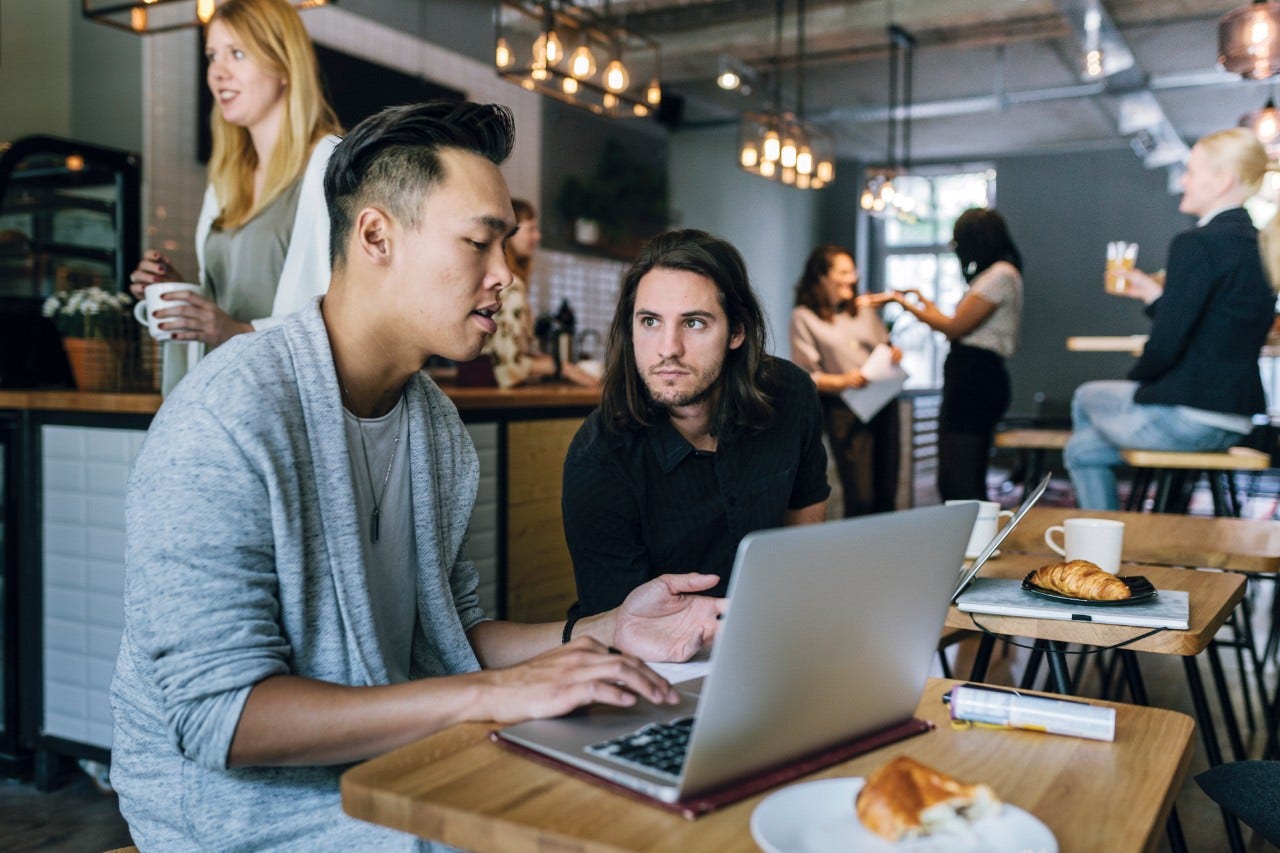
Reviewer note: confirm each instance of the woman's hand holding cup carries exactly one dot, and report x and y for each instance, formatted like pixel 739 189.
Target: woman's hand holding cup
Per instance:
pixel 153 268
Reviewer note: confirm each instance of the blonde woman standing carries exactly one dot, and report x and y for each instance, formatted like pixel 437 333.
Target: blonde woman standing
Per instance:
pixel 1197 384
pixel 262 238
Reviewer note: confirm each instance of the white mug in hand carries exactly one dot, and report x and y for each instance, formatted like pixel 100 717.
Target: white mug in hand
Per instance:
pixel 153 302
pixel 985 526
pixel 1098 540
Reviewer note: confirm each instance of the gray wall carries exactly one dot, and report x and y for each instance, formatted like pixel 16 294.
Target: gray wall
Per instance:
pixel 1062 210
pixel 771 224
pixel 463 26
pixel 35 68
pixel 106 84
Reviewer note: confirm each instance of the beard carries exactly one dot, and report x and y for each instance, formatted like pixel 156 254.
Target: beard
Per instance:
pixel 704 386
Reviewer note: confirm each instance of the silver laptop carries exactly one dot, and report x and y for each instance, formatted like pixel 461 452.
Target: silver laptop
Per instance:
pixel 830 636
pixel 967 575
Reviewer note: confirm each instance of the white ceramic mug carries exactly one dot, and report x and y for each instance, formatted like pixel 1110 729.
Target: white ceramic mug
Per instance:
pixel 1098 540
pixel 985 526
pixel 143 311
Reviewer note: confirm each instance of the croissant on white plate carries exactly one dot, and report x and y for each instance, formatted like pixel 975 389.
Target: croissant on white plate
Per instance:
pixel 906 799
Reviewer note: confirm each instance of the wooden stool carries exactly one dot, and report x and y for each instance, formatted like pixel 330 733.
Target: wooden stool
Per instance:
pixel 1176 473
pixel 1033 443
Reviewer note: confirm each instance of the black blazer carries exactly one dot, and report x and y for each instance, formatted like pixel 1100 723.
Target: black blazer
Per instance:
pixel 1211 321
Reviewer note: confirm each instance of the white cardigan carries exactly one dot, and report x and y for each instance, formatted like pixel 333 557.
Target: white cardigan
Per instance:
pixel 306 262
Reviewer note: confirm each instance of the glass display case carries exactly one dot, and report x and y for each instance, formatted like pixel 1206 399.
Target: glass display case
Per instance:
pixel 69 217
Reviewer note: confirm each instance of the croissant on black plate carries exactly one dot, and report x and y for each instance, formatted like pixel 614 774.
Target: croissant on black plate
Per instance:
pixel 1081 579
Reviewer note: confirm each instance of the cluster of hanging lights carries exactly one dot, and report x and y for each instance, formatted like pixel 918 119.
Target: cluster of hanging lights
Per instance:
pixel 880 197
pixel 556 48
pixel 159 16
pixel 782 146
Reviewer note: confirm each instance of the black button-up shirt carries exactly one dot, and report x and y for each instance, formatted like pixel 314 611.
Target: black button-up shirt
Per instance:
pixel 641 503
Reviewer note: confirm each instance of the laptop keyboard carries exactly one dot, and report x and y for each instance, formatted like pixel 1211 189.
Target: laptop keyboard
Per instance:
pixel 658 747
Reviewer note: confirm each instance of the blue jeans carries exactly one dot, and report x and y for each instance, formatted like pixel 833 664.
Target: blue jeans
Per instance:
pixel 1106 420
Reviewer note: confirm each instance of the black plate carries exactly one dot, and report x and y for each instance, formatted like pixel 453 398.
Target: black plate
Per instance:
pixel 1140 589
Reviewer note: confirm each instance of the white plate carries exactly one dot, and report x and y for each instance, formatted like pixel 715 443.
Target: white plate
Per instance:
pixel 818 817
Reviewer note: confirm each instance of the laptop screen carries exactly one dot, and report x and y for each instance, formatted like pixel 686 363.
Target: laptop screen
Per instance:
pixel 1030 501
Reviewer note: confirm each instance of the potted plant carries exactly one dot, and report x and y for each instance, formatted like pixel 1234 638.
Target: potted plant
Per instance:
pixel 98 331
pixel 619 207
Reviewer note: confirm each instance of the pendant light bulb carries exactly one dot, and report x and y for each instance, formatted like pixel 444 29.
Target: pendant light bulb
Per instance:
pixel 502 56
pixel 804 161
pixel 787 154
pixel 538 71
pixel 616 78
pixel 547 49
pixel 204 10
pixel 609 100
pixel 653 94
pixel 639 110
pixel 582 63
pixel 868 199
pixel 138 19
pixel 826 171
pixel 802 180
pixel 728 80
pixel 749 157
pixel 771 150
pixel 788 175
pixel 570 86
pixel 767 168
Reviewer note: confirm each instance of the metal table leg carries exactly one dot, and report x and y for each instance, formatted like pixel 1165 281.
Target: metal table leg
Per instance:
pixel 982 659
pixel 1224 700
pixel 1207 731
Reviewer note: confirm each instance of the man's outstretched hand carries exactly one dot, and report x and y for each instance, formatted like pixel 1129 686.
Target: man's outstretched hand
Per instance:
pixel 665 619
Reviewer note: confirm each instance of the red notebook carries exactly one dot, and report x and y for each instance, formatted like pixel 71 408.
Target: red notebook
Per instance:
pixel 709 801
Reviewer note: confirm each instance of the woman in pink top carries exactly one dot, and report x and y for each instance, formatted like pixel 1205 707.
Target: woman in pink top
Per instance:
pixel 832 333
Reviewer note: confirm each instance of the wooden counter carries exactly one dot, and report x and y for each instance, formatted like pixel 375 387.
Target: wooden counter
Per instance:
pixel 67 458
pixel 545 396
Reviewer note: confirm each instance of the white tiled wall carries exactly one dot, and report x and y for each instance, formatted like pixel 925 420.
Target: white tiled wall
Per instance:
pixel 590 284
pixel 174 182
pixel 85 472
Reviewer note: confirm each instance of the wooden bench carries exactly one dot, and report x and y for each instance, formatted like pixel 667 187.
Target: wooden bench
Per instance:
pixel 1174 474
pixel 1033 443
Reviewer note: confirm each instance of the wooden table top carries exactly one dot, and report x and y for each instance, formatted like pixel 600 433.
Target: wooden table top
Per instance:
pixel 1107 343
pixel 459 788
pixel 1135 343
pixel 1238 544
pixel 546 395
pixel 1213 595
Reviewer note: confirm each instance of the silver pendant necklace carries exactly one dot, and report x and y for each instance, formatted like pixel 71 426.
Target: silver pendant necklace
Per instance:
pixel 375 517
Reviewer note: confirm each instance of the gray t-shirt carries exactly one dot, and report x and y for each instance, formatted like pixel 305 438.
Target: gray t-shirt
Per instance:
pixel 389 561
pixel 242 265
pixel 1001 285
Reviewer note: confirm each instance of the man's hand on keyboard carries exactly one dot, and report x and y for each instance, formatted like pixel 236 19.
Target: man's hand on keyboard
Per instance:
pixel 576 674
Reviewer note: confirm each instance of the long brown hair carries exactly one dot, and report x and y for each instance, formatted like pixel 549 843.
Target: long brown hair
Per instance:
pixel 816 266
pixel 275 37
pixel 520 266
pixel 743 401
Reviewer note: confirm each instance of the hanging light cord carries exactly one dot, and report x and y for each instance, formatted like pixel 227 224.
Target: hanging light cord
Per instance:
pixel 800 59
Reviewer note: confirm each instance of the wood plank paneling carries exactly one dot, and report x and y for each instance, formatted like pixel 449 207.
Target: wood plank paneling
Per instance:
pixel 540 584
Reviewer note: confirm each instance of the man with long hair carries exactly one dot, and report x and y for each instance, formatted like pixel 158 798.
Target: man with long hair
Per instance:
pixel 700 438
pixel 297 593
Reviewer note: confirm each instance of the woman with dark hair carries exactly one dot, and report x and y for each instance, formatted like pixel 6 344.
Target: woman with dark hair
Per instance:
pixel 983 333
pixel 831 337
